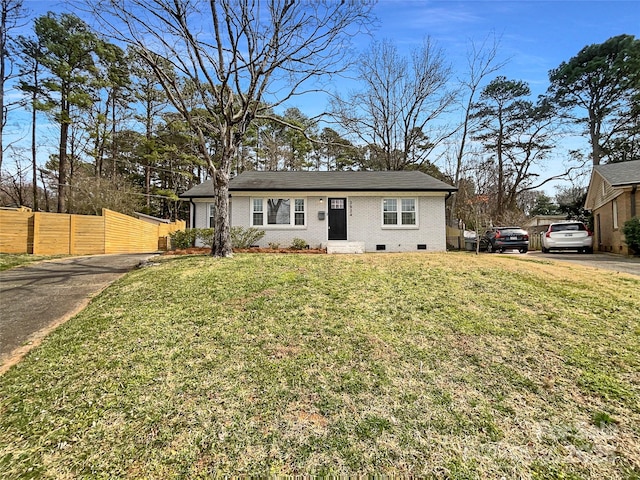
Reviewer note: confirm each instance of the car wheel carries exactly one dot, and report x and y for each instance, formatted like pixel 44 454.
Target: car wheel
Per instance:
pixel 524 250
pixel 588 250
pixel 545 250
pixel 490 248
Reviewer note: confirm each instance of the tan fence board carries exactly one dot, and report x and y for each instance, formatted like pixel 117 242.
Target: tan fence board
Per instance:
pixel 124 234
pixel 87 235
pixel 14 231
pixel 53 234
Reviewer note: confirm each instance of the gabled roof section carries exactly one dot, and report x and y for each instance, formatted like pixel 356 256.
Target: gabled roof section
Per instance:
pixel 607 182
pixel 338 181
pixel 203 190
pixel 620 174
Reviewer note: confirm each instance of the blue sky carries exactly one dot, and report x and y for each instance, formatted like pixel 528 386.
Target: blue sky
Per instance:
pixel 535 35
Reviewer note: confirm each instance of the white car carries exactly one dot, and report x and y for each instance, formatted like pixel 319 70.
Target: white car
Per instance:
pixel 569 235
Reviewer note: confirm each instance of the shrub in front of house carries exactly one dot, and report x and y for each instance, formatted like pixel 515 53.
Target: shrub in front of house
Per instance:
pixel 245 237
pixel 299 244
pixel 205 235
pixel 187 238
pixel 183 239
pixel 631 232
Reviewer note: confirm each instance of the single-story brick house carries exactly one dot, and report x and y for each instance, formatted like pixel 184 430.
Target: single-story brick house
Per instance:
pixel 342 211
pixel 612 198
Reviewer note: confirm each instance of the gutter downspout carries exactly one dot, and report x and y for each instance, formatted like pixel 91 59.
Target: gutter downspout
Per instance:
pixel 193 213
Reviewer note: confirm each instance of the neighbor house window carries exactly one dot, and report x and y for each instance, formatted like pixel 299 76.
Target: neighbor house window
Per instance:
pixel 399 211
pixel 279 211
pixel 212 213
pixel 615 213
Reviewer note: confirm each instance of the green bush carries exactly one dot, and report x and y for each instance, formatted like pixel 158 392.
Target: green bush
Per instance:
pixel 187 238
pixel 299 244
pixel 245 237
pixel 183 238
pixel 631 232
pixel 205 235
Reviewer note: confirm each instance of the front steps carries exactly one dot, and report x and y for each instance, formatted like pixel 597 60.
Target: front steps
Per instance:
pixel 344 246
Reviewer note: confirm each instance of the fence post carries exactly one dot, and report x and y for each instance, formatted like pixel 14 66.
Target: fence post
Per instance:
pixel 72 234
pixel 36 233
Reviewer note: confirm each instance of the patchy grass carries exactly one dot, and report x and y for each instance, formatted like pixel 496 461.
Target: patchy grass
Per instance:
pixel 437 365
pixel 10 260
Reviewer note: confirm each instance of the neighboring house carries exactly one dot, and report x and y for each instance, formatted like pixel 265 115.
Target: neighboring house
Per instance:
pixel 540 223
pixel 150 219
pixel 349 212
pixel 613 199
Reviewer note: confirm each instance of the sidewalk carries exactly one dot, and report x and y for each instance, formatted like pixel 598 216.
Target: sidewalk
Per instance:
pixel 37 298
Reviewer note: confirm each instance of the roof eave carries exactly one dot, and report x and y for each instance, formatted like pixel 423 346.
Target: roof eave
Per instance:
pixel 335 189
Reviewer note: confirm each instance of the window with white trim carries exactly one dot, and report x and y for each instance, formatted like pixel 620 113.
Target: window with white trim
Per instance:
pixel 399 211
pixel 278 212
pixel 212 213
pixel 257 212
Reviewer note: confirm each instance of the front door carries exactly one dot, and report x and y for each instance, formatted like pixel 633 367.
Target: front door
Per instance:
pixel 337 218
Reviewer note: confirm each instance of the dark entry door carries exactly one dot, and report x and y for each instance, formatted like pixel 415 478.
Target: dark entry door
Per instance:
pixel 337 218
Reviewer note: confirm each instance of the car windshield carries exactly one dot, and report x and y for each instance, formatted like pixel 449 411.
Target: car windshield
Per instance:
pixel 511 231
pixel 561 227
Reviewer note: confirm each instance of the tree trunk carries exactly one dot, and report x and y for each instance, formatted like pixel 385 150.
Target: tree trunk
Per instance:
pixel 594 136
pixel 221 235
pixel 34 163
pixel 62 168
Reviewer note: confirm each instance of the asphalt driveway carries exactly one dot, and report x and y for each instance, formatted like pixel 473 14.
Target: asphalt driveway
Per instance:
pixel 606 261
pixel 34 299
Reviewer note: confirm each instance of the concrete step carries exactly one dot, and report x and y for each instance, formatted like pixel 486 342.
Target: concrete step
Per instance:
pixel 343 246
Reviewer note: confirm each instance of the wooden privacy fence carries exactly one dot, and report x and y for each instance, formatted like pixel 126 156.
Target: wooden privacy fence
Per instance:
pixel 455 238
pixel 55 233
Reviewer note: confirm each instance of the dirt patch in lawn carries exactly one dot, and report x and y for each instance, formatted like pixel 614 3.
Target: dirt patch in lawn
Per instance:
pixel 207 250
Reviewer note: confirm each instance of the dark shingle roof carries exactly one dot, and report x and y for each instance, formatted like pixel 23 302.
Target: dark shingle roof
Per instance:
pixel 205 189
pixel 620 174
pixel 327 181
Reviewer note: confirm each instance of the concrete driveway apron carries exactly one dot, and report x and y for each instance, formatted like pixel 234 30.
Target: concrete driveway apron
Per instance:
pixel 605 261
pixel 36 298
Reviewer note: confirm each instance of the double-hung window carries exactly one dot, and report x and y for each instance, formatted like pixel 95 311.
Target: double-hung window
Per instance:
pixel 278 212
pixel 211 210
pixel 399 212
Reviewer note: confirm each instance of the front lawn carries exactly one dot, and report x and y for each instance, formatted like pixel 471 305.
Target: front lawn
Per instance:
pixel 438 365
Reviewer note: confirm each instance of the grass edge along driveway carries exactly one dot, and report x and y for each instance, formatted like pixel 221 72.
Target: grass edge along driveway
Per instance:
pixel 437 365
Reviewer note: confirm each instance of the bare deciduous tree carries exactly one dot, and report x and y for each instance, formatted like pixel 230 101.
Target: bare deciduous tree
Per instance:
pixel 243 56
pixel 399 104
pixel 482 62
pixel 12 14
